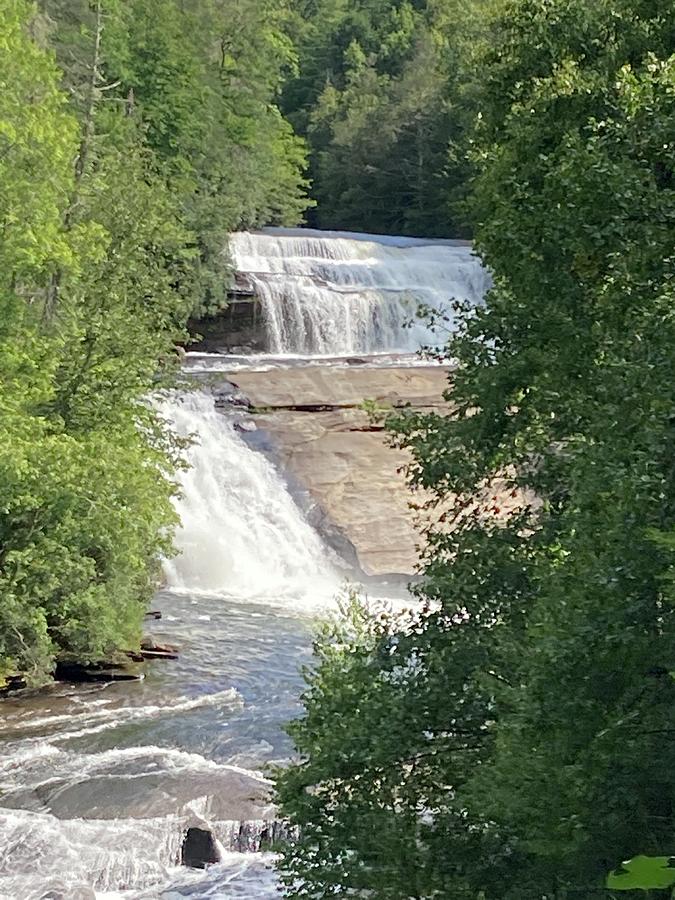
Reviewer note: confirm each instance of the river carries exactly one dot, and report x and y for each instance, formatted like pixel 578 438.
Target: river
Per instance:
pixel 98 783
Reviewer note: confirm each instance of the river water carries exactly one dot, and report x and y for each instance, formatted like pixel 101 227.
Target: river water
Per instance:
pixel 98 783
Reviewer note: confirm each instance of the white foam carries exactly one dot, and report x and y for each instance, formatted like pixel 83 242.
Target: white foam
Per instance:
pixel 121 715
pixel 39 851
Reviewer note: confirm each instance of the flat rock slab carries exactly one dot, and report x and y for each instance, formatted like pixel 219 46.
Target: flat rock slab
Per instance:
pixel 356 479
pixel 225 794
pixel 343 386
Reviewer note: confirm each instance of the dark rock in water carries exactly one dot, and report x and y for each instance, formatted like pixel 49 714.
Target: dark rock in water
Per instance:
pixel 199 849
pixel 79 673
pixel 236 398
pixel 229 394
pixel 12 683
pixel 355 361
pixel 150 649
pixel 160 653
pixel 153 614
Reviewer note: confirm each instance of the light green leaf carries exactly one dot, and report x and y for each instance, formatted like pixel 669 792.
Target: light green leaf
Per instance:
pixel 643 873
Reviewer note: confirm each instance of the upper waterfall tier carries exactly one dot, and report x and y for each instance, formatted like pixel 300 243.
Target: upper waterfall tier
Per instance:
pixel 341 293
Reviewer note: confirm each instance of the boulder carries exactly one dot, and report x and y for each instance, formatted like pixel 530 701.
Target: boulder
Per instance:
pixel 245 425
pixel 150 649
pixel 199 849
pixel 82 673
pixel 10 683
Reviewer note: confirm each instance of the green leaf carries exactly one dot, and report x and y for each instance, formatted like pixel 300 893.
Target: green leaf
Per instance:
pixel 643 873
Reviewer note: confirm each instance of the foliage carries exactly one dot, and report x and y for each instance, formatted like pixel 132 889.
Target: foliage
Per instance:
pixel 381 98
pixel 514 739
pixel 133 138
pixel 643 873
pixel 89 308
pixel 201 79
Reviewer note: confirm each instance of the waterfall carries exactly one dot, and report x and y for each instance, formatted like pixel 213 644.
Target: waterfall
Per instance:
pixel 241 532
pixel 99 783
pixel 341 294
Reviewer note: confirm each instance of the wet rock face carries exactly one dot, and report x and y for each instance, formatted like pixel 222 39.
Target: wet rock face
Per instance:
pixel 255 836
pixel 340 387
pixel 326 442
pixel 237 328
pixel 199 849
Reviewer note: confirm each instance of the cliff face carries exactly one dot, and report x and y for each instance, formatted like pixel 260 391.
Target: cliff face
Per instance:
pixel 236 328
pixel 329 447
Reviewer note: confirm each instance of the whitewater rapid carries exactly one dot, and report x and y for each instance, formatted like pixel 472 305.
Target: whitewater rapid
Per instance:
pixel 98 784
pixel 330 293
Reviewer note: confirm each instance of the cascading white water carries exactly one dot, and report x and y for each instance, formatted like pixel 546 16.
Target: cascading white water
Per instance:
pixel 338 293
pixel 241 532
pixel 98 788
pixel 58 858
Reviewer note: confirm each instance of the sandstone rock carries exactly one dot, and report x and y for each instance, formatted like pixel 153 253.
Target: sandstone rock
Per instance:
pixel 329 445
pixel 356 479
pixel 343 386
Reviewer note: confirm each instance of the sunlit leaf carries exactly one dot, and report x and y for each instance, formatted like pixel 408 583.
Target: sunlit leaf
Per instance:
pixel 643 873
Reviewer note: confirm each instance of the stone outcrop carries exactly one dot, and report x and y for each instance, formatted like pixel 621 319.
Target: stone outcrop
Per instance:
pixel 199 849
pixel 343 386
pixel 229 795
pixel 238 327
pixel 326 442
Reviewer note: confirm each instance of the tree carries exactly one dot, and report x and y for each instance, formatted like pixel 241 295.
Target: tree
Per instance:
pixel 201 80
pixel 513 739
pixel 378 96
pixel 37 144
pixel 86 471
pixel 122 173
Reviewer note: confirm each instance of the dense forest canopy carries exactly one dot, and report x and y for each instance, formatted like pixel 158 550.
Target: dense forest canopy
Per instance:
pixel 378 96
pixel 512 739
